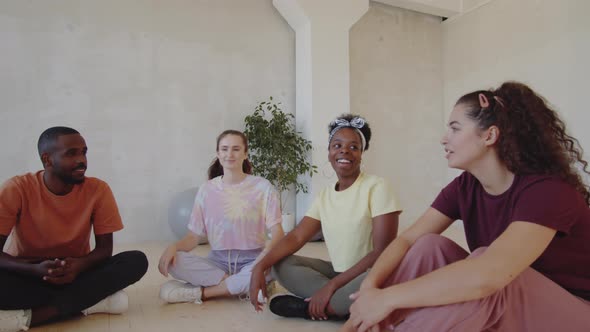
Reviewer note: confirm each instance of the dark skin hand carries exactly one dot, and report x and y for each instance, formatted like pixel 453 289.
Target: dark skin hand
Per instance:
pixel 288 245
pixel 67 271
pixel 384 231
pixel 345 155
pixel 56 270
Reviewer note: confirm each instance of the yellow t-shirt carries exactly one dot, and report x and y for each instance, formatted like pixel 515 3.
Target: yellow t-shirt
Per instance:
pixel 346 217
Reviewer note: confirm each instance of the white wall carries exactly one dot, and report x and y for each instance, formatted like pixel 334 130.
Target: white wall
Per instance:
pixel 322 74
pixel 396 82
pixel 543 43
pixel 408 69
pixel 149 84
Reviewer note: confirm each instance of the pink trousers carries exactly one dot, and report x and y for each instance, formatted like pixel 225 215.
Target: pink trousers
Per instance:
pixel 531 302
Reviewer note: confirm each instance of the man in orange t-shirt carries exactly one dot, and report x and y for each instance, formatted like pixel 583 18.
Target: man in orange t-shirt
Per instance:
pixel 48 270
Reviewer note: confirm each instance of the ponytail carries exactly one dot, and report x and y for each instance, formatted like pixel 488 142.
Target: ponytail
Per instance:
pixel 215 169
pixel 247 166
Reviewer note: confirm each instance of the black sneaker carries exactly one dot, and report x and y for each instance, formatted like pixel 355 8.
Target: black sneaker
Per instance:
pixel 289 306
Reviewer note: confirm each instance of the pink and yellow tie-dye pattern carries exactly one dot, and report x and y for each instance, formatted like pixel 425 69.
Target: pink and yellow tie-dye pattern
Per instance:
pixel 235 216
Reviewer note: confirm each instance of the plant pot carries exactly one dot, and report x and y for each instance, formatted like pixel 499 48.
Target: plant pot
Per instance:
pixel 288 222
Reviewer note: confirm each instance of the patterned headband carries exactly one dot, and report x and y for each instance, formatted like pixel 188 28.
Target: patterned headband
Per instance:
pixel 355 123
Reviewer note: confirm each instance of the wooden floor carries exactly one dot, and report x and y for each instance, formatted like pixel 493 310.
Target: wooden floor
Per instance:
pixel 148 313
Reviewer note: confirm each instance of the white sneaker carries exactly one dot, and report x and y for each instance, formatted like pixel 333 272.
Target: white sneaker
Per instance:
pixel 113 304
pixel 175 291
pixel 261 298
pixel 13 321
pixel 271 289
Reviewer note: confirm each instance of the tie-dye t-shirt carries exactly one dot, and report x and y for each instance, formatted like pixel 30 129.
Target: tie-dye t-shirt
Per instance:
pixel 235 216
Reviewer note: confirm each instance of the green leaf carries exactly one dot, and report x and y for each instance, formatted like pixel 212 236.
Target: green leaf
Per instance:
pixel 278 152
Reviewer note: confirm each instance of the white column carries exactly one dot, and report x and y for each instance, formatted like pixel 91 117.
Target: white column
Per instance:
pixel 322 75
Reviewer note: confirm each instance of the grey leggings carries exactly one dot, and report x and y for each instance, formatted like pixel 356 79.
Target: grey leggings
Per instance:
pixel 303 276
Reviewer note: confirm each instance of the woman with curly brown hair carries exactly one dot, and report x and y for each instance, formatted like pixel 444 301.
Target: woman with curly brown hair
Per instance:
pixel 527 222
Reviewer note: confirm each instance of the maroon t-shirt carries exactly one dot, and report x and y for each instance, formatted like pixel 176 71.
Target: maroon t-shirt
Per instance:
pixel 540 199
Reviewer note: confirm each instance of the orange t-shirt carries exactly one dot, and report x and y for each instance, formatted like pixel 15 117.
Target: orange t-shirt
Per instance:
pixel 49 226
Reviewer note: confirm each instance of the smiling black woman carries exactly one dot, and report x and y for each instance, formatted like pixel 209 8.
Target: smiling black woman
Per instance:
pixel 358 216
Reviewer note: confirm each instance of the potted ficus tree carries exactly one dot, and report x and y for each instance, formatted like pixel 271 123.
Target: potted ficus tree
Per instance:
pixel 278 152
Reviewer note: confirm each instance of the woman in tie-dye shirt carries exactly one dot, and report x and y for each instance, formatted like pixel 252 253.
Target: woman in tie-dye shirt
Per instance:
pixel 234 210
